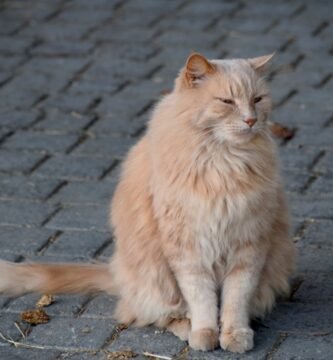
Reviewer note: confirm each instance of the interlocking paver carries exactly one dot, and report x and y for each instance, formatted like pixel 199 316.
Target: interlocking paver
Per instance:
pixel 78 81
pixel 74 167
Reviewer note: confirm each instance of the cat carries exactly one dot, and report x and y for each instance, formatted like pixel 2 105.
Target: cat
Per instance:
pixel 199 215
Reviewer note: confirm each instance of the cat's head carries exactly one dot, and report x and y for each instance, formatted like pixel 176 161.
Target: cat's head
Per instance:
pixel 231 97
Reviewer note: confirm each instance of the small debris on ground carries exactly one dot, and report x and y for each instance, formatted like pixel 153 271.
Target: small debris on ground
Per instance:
pixel 282 132
pixel 35 317
pixel 44 301
pixel 122 355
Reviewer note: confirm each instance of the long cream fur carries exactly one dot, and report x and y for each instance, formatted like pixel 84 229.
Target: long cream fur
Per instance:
pixel 199 215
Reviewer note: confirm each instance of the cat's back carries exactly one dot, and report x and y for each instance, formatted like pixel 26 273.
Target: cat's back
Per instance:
pixel 132 191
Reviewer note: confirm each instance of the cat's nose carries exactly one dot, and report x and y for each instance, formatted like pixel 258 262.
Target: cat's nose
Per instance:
pixel 251 121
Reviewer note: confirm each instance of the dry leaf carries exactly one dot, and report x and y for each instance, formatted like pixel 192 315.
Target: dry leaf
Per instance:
pixel 281 131
pixel 122 355
pixel 35 317
pixel 45 300
pixel 165 91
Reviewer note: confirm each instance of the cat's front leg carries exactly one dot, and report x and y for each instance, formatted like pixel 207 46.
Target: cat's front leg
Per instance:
pixel 238 289
pixel 199 291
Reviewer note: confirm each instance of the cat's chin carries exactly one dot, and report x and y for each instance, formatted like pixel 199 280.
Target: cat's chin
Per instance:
pixel 239 137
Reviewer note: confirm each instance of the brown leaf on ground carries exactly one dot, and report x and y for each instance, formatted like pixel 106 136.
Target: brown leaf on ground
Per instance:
pixel 35 317
pixel 282 132
pixel 165 91
pixel 121 355
pixel 45 300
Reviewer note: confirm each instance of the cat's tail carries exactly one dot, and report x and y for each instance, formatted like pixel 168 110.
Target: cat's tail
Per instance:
pixel 18 279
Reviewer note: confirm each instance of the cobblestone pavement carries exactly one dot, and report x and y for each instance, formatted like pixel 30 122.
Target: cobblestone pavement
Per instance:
pixel 77 82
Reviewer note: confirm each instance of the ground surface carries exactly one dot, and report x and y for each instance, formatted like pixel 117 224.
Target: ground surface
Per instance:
pixel 77 82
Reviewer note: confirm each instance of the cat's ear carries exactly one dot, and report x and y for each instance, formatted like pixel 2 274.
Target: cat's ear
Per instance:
pixel 197 68
pixel 260 63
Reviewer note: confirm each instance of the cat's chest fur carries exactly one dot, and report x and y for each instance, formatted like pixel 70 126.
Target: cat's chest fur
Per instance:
pixel 237 214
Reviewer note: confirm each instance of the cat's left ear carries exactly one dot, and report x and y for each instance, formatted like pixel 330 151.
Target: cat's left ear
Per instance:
pixel 197 68
pixel 260 63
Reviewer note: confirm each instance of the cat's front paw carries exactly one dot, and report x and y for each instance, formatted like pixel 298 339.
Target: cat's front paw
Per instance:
pixel 237 340
pixel 203 339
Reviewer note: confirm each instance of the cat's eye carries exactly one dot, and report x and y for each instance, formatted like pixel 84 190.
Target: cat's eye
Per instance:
pixel 257 99
pixel 226 101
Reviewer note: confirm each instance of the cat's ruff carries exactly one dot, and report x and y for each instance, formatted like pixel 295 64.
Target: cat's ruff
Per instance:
pixel 199 213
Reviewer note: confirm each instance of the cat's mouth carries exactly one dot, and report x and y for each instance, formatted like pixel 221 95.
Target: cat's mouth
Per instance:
pixel 247 131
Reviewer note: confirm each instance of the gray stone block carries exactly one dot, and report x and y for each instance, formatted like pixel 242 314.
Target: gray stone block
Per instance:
pixel 12 353
pixel 17 119
pixel 24 213
pixel 325 164
pixel 296 317
pixel 22 241
pixel 81 218
pixel 58 122
pixel 148 339
pixel 311 206
pixel 298 347
pixel 40 142
pixel 74 167
pixel 322 185
pixel 25 188
pixel 72 333
pixel 112 147
pixel 102 306
pixel 78 243
pixel 17 162
pixel 90 192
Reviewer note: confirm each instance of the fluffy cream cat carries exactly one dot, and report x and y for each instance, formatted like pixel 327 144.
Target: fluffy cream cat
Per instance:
pixel 199 215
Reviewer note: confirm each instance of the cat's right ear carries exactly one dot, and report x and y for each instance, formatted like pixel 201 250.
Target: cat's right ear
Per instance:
pixel 196 69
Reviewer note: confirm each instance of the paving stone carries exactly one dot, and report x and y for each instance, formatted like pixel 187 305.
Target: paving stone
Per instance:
pixel 8 328
pixel 295 180
pixel 75 167
pixel 314 258
pixel 318 207
pixel 10 45
pixel 25 188
pixel 24 213
pixel 111 146
pixel 69 102
pixel 17 119
pixel 82 243
pixel 72 333
pixel 102 306
pixel 325 164
pixel 83 356
pixel 63 306
pixel 58 122
pixel 81 218
pixel 39 141
pixel 318 233
pixel 317 137
pixel 297 317
pixel 298 158
pixel 17 162
pixel 22 240
pixel 114 125
pixel 12 353
pixel 148 339
pixel 298 347
pixel 315 288
pixel 85 192
pixel 322 185
pixel 70 48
